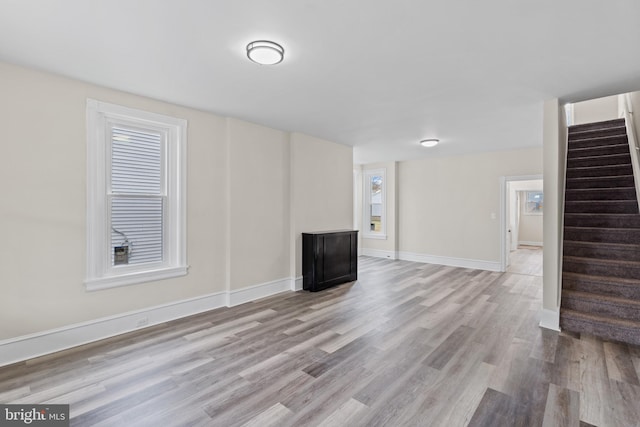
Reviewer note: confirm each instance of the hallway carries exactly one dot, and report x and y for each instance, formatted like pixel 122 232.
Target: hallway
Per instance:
pixel 526 260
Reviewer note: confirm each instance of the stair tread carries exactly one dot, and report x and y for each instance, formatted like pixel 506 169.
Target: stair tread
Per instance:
pixel 598 125
pixel 602 201
pixel 616 280
pixel 601 298
pixel 630 221
pixel 617 215
pixel 597 178
pixel 623 133
pixel 601 125
pixel 578 228
pixel 625 323
pixel 602 189
pixel 574 149
pixel 601 261
pixel 608 122
pixel 604 244
pixel 622 129
pixel 617 165
pixel 604 156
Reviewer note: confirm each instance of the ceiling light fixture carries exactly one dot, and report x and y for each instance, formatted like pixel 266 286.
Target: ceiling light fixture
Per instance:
pixel 265 52
pixel 432 142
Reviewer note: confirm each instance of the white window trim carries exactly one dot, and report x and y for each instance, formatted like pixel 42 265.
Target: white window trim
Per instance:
pixel 99 272
pixel 366 220
pixel 524 203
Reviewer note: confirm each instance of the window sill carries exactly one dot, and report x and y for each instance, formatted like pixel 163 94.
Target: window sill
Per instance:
pixel 134 278
pixel 375 236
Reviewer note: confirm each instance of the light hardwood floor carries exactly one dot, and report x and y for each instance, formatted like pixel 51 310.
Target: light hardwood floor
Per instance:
pixel 526 260
pixel 408 344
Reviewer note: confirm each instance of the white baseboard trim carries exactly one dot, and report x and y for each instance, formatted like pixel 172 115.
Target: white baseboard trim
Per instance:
pixel 550 319
pixel 296 284
pixel 34 345
pixel 251 293
pixel 378 253
pixel 39 344
pixel 449 261
pixel 528 243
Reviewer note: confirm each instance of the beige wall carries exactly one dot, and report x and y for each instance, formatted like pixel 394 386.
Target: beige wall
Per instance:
pixel 259 218
pixel 321 189
pixel 595 110
pixel 235 169
pixel 530 229
pixel 446 204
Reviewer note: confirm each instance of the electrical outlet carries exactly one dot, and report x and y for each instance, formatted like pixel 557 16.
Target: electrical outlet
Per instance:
pixel 142 322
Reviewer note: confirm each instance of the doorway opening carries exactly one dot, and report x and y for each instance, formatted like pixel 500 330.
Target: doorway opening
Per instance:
pixel 521 220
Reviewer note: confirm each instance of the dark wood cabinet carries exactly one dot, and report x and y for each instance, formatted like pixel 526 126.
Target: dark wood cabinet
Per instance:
pixel 329 258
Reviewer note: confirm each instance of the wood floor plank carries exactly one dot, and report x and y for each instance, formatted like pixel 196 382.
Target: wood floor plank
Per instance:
pixel 545 345
pixel 526 260
pixel 460 410
pixel 636 363
pixel 503 379
pixel 498 409
pixel 562 408
pixel 595 406
pixel 619 364
pixel 443 354
pixel 446 388
pixel 254 398
pixel 407 344
pixel 390 370
pixel 349 413
pixel 567 363
pixel 401 401
pixel 625 403
pixel 350 335
pixel 271 417
pixel 14 394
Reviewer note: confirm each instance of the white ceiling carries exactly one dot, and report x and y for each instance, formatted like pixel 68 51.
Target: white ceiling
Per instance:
pixel 376 74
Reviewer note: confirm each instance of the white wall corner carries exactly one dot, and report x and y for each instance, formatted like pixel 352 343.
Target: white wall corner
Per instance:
pixel 451 262
pixel 251 293
pixel 378 253
pixel 296 284
pixel 550 319
pixel 34 345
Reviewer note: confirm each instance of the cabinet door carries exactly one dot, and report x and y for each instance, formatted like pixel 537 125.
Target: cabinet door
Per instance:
pixel 336 256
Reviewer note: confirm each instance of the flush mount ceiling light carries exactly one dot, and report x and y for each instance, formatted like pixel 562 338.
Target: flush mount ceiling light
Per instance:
pixel 265 52
pixel 432 142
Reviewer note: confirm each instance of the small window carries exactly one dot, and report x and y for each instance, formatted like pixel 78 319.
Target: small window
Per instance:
pixel 534 201
pixel 374 204
pixel 136 208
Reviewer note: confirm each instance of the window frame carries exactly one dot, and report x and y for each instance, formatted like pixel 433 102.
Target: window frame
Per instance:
pixel 526 201
pixel 100 274
pixel 367 176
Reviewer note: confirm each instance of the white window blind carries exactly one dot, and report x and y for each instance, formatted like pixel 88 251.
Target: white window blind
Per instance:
pixel 137 194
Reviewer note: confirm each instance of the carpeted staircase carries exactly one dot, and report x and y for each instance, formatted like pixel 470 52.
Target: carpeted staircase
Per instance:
pixel 601 256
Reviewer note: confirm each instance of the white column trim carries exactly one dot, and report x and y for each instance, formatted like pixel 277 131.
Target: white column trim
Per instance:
pixel 550 319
